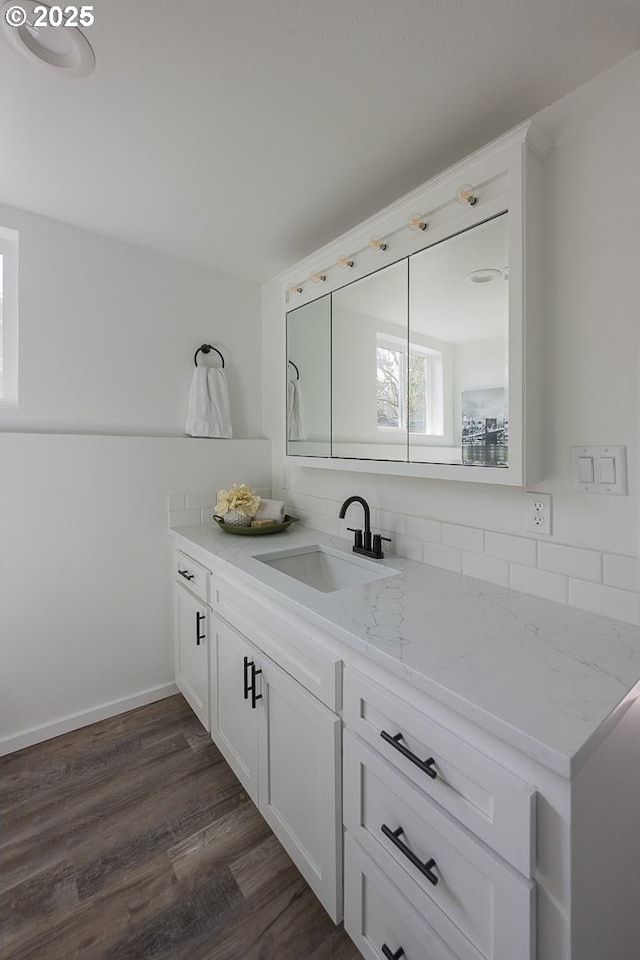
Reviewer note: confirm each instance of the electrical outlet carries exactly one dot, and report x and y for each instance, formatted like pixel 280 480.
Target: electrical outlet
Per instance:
pixel 285 479
pixel 538 519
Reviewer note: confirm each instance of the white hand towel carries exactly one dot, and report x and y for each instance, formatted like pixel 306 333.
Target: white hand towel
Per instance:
pixel 270 510
pixel 295 412
pixel 208 414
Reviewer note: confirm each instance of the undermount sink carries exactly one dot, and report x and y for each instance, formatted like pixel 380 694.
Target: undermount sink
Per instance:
pixel 324 568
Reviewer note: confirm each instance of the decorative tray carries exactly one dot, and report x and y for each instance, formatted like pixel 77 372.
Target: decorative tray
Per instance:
pixel 255 531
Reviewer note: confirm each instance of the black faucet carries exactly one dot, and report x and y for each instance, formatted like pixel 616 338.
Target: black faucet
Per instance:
pixel 364 543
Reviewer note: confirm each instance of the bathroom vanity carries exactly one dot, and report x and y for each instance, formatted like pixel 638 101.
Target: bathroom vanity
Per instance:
pixel 453 766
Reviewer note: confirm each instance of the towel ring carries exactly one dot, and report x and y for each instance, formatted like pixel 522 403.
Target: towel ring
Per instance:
pixel 206 347
pixel 295 368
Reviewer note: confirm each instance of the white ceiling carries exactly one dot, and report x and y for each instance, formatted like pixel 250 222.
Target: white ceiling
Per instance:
pixel 244 134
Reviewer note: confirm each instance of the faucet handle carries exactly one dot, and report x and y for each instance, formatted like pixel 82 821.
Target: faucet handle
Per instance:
pixel 357 540
pixel 377 544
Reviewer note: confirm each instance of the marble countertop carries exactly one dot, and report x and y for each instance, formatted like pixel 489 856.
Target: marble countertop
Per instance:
pixel 540 675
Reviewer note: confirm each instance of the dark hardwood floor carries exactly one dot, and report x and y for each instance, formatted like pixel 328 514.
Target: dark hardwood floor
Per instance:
pixel 132 839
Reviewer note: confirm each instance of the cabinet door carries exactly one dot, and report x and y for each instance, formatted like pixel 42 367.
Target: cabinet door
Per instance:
pixel 234 717
pixel 192 652
pixel 300 782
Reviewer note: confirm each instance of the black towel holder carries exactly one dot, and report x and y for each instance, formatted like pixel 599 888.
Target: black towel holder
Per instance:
pixel 296 369
pixel 205 349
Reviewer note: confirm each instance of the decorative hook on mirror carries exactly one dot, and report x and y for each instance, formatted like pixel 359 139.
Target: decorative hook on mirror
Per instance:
pixel 205 348
pixel 295 368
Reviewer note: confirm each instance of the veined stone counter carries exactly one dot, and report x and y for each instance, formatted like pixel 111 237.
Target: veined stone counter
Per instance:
pixel 540 675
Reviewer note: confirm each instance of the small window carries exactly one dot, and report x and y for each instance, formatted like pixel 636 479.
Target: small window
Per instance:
pixel 409 388
pixel 8 318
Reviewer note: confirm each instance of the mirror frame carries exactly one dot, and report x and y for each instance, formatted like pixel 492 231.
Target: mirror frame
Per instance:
pixel 506 176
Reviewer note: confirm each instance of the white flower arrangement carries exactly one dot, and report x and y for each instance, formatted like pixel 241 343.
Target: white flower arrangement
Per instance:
pixel 241 498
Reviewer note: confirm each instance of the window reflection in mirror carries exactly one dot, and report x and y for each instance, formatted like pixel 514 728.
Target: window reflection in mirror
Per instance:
pixel 309 379
pixel 459 310
pixel 370 383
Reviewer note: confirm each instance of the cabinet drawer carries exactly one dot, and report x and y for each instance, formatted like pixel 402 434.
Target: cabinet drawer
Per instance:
pixel 477 903
pixel 192 574
pixel 377 915
pixel 492 803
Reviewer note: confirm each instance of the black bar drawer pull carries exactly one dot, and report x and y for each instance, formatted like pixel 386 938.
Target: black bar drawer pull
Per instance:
pixel 426 869
pixel 199 637
pixel 425 765
pixel 386 952
pixel 186 574
pixel 254 696
pixel 246 678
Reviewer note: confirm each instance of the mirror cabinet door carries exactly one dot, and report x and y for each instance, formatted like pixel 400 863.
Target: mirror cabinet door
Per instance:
pixel 409 363
pixel 309 379
pixel 458 348
pixel 369 371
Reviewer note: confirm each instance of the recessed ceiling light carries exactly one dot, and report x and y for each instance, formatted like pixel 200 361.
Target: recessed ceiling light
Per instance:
pixel 483 276
pixel 61 49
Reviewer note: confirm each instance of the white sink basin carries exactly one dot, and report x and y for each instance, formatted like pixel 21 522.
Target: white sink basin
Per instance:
pixel 324 568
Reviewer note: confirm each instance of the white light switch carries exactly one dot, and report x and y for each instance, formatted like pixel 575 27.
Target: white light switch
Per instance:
pixel 607 470
pixel 599 469
pixel 585 469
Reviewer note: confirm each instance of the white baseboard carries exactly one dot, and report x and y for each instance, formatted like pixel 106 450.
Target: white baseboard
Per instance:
pixel 46 731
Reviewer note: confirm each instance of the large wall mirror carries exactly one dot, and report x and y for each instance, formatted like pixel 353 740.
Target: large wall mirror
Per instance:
pixel 309 379
pixel 423 358
pixel 409 363
pixel 459 349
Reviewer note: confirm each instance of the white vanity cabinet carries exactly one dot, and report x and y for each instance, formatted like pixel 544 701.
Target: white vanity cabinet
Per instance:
pixel 282 742
pixel 437 825
pixel 191 633
pixel 510 806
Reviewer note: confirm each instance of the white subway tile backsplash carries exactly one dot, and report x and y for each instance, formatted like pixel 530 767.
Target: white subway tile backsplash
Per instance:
pixel 330 525
pixel 184 518
pixel 514 549
pixel 541 583
pixel 305 519
pixel 201 501
pixel 320 506
pixel 423 529
pixel 440 556
pixel 572 561
pixel 563 573
pixel 463 538
pixel 485 568
pixel 623 572
pixel 387 522
pixel 404 547
pixel 607 601
pixel 299 500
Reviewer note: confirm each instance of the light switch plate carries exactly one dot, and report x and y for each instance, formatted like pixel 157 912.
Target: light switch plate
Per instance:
pixel 599 470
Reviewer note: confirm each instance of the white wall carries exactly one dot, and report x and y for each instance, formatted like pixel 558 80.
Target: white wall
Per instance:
pixel 88 461
pixel 592 296
pixel 85 575
pixel 107 335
